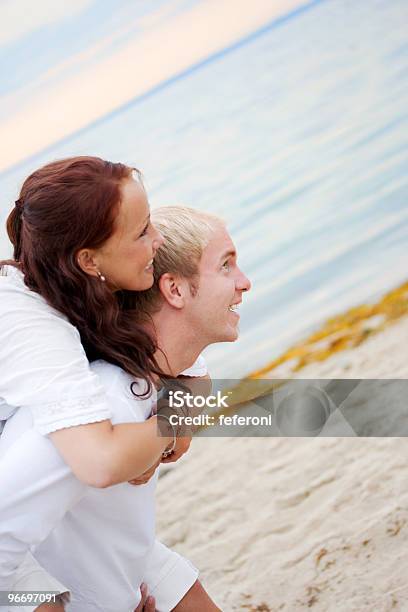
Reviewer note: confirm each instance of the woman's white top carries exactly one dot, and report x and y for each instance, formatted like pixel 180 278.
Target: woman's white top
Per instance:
pixel 43 365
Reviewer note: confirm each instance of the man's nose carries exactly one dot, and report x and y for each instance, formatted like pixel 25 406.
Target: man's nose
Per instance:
pixel 243 283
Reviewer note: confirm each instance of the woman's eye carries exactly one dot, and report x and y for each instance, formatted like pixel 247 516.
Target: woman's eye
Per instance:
pixel 144 231
pixel 226 265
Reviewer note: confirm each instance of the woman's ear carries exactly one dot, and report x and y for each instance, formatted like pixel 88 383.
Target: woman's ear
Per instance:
pixel 172 289
pixel 86 261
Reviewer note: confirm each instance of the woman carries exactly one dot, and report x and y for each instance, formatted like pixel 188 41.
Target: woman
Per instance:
pixel 81 232
pixel 82 235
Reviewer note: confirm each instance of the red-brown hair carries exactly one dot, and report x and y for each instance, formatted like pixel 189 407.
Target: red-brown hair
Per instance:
pixel 65 206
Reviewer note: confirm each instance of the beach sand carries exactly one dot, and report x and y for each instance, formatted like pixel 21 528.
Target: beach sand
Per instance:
pixel 298 523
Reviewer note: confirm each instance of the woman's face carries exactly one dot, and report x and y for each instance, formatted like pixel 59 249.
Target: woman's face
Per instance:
pixel 126 258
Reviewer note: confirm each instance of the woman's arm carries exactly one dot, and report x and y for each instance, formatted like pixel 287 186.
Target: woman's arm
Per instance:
pixel 102 455
pixel 36 490
pixel 45 371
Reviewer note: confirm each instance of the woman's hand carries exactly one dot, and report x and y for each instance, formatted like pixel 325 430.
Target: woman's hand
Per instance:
pixel 146 476
pixel 182 446
pixel 200 385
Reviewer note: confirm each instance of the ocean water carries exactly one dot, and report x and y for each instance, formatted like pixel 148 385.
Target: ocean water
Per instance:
pixel 298 137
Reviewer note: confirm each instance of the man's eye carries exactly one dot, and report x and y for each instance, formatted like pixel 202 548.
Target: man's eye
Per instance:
pixel 226 265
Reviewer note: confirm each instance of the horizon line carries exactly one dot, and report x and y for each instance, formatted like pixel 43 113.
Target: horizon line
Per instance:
pixel 139 98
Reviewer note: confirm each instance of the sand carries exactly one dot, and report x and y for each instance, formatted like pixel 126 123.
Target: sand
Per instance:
pixel 298 523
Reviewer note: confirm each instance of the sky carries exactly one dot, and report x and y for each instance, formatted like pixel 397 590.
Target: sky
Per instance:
pixel 64 65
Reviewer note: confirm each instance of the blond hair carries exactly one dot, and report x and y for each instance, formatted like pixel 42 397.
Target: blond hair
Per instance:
pixel 187 232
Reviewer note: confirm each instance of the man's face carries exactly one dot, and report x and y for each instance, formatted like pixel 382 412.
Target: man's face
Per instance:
pixel 213 310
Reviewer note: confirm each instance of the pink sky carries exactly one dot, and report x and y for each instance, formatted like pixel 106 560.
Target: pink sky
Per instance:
pixel 58 107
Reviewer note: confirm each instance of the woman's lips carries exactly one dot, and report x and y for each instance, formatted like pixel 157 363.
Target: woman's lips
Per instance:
pixel 149 267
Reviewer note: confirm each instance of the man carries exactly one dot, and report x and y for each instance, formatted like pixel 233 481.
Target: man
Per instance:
pixel 192 304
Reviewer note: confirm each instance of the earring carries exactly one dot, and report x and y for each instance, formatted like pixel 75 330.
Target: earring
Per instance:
pixel 101 277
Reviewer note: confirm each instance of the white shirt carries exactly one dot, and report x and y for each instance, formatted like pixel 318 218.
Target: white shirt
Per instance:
pixel 103 539
pixel 43 365
pixel 100 548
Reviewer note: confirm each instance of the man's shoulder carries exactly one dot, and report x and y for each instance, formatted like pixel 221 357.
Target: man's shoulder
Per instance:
pixel 123 389
pixel 113 376
pixel 107 370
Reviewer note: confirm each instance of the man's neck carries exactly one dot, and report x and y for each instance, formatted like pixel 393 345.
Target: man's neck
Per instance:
pixel 178 343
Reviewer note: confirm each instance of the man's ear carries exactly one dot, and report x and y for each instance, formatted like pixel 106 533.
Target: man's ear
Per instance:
pixel 173 289
pixel 86 261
